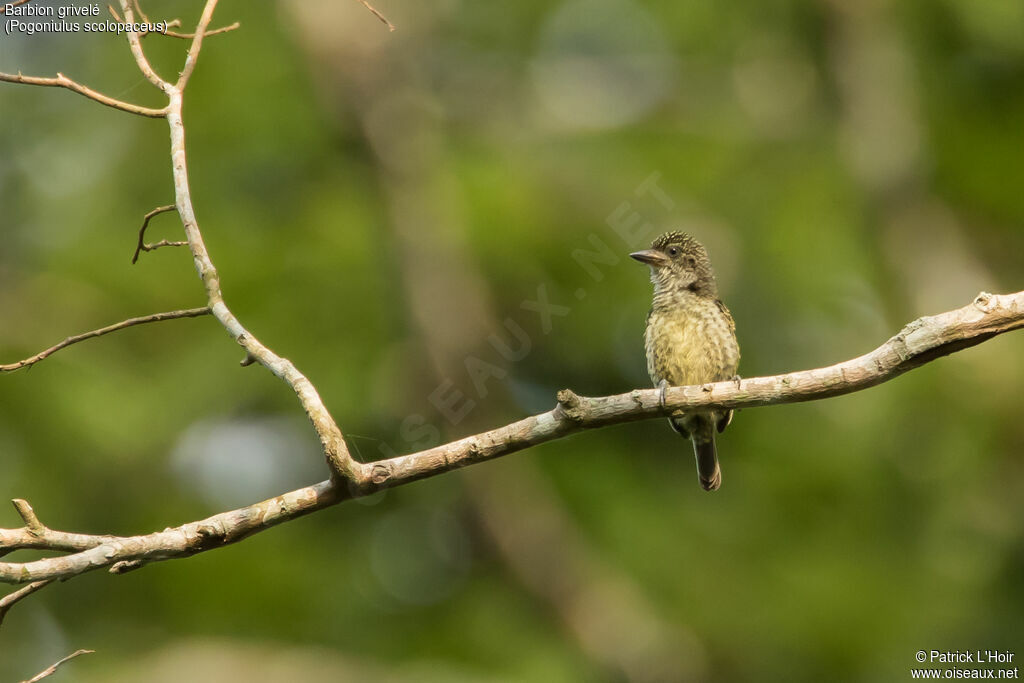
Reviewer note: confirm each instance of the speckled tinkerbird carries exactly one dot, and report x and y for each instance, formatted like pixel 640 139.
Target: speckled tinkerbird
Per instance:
pixel 690 339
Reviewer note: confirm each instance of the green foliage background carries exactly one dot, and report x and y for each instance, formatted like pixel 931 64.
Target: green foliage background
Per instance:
pixel 850 168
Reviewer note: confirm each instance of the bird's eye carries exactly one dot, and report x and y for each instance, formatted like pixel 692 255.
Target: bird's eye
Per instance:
pixel 673 251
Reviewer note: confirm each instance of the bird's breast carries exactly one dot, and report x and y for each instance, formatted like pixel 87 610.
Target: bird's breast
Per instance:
pixel 691 344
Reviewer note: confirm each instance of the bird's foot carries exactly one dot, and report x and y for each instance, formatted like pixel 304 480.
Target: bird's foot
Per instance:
pixel 663 387
pixel 736 380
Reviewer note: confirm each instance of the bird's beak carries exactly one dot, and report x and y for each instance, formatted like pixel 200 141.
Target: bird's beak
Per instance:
pixel 651 257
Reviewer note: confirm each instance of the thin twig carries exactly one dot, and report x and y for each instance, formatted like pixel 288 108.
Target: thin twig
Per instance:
pixel 213 32
pixel 920 342
pixel 163 243
pixel 62 81
pixel 156 317
pixel 367 5
pixel 135 45
pixel 336 452
pixel 145 20
pixel 53 667
pixel 170 23
pixel 197 45
pixel 145 223
pixel 9 600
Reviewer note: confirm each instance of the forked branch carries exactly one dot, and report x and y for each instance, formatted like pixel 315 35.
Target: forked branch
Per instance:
pixel 142 246
pixel 168 24
pixel 920 342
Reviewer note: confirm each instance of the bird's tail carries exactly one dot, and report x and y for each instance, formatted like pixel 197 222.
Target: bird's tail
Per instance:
pixel 708 471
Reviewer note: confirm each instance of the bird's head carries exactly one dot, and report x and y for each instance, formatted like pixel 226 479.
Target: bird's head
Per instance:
pixel 679 262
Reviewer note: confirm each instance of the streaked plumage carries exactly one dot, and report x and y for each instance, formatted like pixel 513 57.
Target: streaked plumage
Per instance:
pixel 690 338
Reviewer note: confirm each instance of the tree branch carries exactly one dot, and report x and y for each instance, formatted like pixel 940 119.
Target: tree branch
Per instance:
pixel 162 243
pixel 36 536
pixel 168 24
pixel 28 515
pixel 53 667
pixel 197 45
pixel 142 246
pixel 11 598
pixel 62 81
pixel 135 45
pixel 340 461
pixel 920 342
pixel 156 317
pixel 376 13
pixel 212 32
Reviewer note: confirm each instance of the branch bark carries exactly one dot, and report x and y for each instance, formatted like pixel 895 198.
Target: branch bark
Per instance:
pixel 125 554
pixel 340 461
pixel 919 342
pixel 10 599
pixel 922 341
pixel 50 670
pixel 156 317
pixel 376 13
pixel 142 246
pixel 62 81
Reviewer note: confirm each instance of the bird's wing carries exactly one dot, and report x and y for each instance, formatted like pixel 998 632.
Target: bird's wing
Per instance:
pixel 728 315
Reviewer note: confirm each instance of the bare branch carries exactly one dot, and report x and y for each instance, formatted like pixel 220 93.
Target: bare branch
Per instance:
pixel 32 523
pixel 920 342
pixel 339 459
pixel 156 317
pixel 53 667
pixel 9 600
pixel 183 541
pixel 37 536
pixel 163 243
pixel 213 32
pixel 168 24
pixel 367 5
pixel 197 44
pixel 62 81
pixel 145 224
pixel 49 539
pixel 135 45
pixel 145 20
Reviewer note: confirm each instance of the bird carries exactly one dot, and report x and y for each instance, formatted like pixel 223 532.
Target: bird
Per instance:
pixel 690 339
